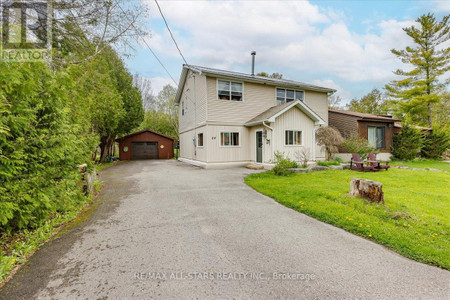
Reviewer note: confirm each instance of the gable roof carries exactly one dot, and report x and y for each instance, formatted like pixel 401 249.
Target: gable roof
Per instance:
pixel 272 113
pixel 144 131
pixel 364 116
pixel 247 77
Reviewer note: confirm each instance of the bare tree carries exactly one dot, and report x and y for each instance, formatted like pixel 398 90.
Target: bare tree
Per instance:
pixel 334 102
pixel 329 138
pixel 83 28
pixel 144 85
pixel 303 156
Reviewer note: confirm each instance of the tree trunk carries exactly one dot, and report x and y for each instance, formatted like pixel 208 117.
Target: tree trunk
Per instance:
pixel 368 189
pixel 105 147
pixel 430 119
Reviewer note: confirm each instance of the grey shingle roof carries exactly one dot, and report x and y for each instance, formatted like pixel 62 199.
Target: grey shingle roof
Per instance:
pixel 269 113
pixel 272 81
pixel 365 116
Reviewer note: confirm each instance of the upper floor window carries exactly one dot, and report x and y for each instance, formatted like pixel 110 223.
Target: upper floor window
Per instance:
pixel 284 96
pixel 229 90
pixel 182 108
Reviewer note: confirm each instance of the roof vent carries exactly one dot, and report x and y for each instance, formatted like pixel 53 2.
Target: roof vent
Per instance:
pixel 253 62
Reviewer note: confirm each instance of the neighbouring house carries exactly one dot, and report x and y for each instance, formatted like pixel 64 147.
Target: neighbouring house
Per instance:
pixel 424 130
pixel 231 119
pixel 146 144
pixel 377 129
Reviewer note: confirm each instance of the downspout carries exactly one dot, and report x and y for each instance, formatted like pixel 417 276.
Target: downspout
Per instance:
pixel 195 119
pixel 271 143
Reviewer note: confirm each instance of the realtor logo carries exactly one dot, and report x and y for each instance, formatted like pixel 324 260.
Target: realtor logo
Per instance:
pixel 25 31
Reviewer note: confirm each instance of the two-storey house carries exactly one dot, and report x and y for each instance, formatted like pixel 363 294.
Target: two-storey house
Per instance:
pixel 230 119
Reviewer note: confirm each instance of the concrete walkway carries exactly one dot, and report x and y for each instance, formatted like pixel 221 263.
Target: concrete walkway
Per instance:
pixel 172 231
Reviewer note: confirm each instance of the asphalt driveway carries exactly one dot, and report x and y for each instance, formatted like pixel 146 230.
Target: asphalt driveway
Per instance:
pixel 172 231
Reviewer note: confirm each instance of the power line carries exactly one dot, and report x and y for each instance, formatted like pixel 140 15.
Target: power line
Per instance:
pixel 149 48
pixel 170 31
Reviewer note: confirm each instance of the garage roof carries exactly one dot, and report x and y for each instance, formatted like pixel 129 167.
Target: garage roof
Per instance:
pixel 144 131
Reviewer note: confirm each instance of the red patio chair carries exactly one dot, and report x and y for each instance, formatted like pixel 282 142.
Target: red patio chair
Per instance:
pixel 359 164
pixel 372 160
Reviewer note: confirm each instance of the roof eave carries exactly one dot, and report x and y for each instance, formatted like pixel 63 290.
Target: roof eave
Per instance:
pixel 181 84
pixel 267 82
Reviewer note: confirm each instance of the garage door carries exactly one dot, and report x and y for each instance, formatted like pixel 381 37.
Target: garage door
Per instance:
pixel 145 150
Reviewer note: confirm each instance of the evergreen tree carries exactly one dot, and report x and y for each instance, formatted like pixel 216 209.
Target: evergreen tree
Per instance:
pixel 407 144
pixel 435 144
pixel 419 89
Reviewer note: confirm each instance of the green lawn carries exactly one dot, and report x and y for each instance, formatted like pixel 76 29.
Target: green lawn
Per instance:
pixel 414 222
pixel 423 164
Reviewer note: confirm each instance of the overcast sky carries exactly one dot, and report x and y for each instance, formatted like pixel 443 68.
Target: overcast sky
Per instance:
pixel 338 44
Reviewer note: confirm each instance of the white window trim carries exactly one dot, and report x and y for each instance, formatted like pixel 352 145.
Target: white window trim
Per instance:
pixel 229 131
pixel 199 139
pixel 229 80
pixel 285 88
pixel 303 138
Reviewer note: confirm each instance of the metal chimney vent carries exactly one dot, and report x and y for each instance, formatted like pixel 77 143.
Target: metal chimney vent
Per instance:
pixel 253 62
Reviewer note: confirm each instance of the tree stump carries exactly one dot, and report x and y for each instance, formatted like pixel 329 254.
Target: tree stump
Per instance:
pixel 367 189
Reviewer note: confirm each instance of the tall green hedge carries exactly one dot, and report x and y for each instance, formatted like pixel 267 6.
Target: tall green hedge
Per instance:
pixel 52 119
pixel 40 148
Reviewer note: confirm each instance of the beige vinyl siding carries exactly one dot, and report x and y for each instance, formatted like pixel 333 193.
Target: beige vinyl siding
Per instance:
pixel 194 103
pixel 294 119
pixel 186 145
pixel 257 99
pixel 318 102
pixel 217 154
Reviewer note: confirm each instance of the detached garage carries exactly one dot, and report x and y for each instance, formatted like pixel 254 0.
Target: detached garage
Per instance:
pixel 145 144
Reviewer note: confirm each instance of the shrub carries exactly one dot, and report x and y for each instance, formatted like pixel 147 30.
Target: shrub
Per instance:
pixel 356 144
pixel 435 144
pixel 329 163
pixel 303 156
pixel 329 138
pixel 407 144
pixel 283 164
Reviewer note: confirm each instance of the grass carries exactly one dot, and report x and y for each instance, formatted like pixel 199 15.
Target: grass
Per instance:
pixel 424 164
pixel 414 222
pixel 102 166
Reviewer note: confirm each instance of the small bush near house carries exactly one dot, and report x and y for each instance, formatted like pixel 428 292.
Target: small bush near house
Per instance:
pixel 283 164
pixel 407 144
pixel 303 156
pixel 356 144
pixel 329 138
pixel 435 144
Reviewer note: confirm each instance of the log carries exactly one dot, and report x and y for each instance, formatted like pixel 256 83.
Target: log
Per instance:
pixel 367 189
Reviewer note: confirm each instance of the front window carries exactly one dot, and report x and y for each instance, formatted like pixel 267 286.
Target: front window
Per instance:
pixel 229 90
pixel 200 140
pixel 229 139
pixel 284 96
pixel 293 138
pixel 376 137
